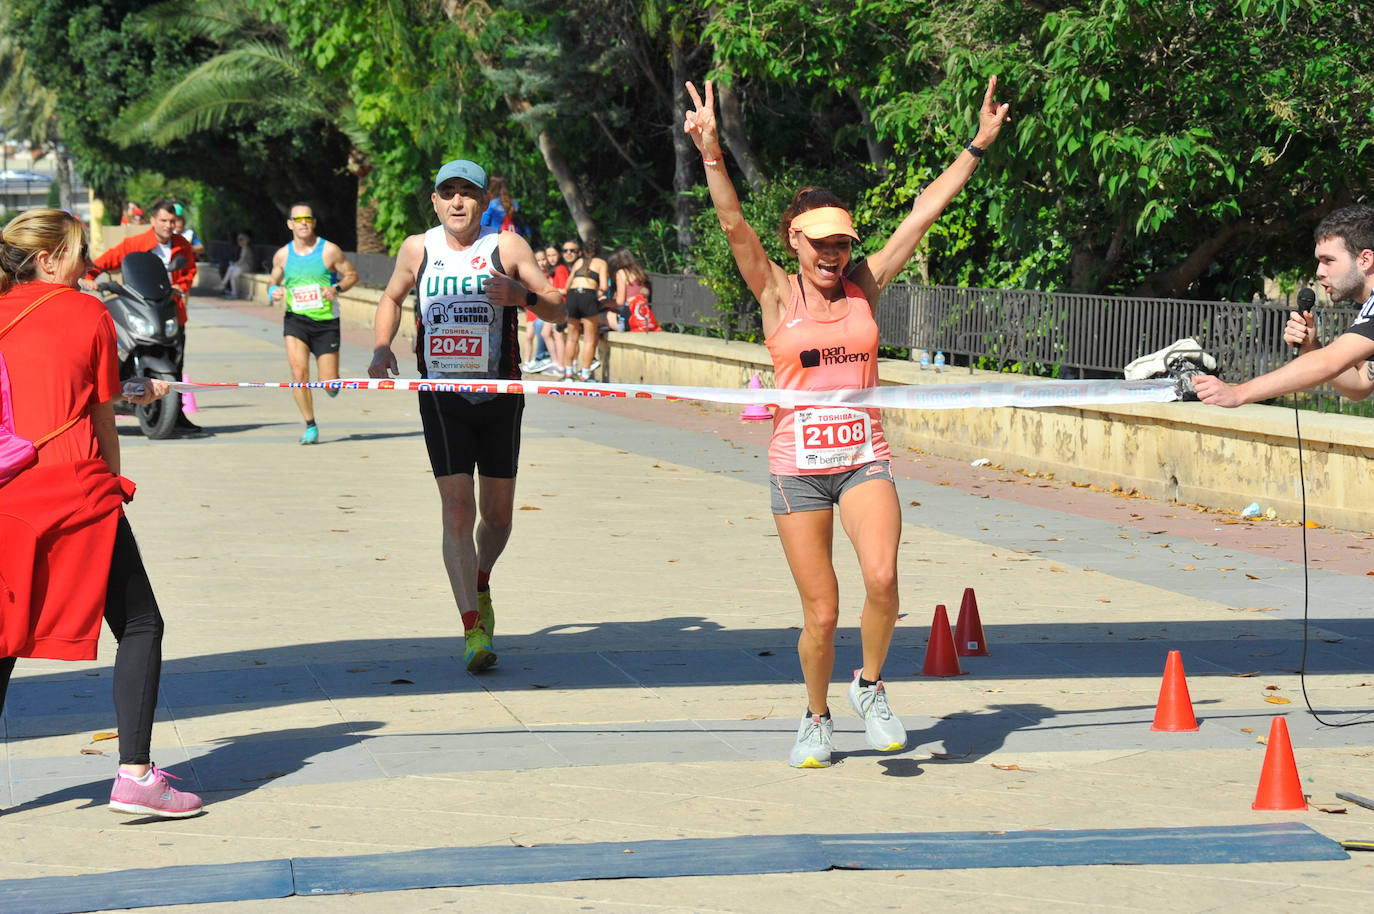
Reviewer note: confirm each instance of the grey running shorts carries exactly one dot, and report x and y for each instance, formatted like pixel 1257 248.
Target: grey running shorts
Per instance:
pixel 822 491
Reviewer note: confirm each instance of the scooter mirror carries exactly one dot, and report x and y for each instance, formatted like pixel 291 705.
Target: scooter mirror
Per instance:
pixel 178 263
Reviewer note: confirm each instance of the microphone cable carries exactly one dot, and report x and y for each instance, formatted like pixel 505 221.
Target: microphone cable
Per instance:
pixel 1306 590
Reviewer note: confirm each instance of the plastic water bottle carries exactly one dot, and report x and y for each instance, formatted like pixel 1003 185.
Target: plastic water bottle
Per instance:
pixel 939 361
pixel 923 356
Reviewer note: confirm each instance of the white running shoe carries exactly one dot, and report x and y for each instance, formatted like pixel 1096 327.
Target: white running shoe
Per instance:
pixel 883 728
pixel 814 742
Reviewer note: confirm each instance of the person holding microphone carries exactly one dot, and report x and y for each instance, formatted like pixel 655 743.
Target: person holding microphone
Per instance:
pixel 1345 269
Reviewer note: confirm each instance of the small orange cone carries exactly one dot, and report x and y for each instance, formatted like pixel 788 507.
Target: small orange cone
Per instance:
pixel 188 399
pixel 941 658
pixel 1279 786
pixel 968 631
pixel 1174 710
pixel 755 410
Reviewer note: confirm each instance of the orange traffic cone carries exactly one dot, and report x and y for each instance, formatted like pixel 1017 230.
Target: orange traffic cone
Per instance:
pixel 1279 786
pixel 968 631
pixel 1174 710
pixel 188 399
pixel 941 657
pixel 755 410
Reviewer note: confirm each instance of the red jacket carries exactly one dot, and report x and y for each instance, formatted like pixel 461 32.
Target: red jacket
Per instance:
pixel 110 261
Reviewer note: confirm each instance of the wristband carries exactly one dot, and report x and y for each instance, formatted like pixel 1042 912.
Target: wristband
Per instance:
pixel 270 291
pixel 975 151
pixel 531 299
pixel 706 161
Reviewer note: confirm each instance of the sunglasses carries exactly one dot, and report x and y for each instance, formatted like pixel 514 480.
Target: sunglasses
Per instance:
pixel 572 251
pixel 303 220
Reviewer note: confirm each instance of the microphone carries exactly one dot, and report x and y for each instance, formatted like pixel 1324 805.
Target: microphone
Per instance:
pixel 1307 300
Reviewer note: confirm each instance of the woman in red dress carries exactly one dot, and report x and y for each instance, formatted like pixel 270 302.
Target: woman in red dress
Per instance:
pixel 70 556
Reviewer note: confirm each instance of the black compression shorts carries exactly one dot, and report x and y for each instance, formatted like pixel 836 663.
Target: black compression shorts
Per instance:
pixel 461 435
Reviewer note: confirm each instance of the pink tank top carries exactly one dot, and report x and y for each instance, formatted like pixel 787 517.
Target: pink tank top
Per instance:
pixel 836 354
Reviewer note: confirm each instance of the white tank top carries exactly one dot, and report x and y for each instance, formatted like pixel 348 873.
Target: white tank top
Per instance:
pixel 459 332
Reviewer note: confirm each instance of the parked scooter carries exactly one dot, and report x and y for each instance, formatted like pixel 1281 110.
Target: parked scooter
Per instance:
pixel 144 308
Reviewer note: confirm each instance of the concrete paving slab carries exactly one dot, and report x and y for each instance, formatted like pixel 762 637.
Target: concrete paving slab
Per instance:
pixel 646 617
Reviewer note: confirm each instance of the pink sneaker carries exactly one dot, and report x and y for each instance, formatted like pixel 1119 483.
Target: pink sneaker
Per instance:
pixel 156 799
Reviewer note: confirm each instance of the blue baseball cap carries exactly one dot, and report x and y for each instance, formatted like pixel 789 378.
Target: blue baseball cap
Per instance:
pixel 462 168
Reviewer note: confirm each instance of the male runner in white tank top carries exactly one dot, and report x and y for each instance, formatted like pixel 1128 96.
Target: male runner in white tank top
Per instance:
pixel 469 284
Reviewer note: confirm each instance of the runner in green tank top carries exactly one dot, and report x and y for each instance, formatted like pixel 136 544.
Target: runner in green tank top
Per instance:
pixel 303 283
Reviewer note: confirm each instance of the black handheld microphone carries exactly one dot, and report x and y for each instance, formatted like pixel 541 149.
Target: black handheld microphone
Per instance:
pixel 1307 300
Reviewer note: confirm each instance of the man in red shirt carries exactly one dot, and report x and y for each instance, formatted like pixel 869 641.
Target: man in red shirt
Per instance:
pixel 162 239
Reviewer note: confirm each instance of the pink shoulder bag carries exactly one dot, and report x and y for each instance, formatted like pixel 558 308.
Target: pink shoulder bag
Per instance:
pixel 16 451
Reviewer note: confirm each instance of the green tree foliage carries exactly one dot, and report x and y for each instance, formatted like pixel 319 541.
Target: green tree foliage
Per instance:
pixel 1174 147
pixel 98 60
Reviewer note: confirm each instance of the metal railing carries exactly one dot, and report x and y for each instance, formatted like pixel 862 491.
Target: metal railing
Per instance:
pixel 1069 334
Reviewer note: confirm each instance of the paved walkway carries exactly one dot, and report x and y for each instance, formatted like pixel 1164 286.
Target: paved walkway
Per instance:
pixel 313 690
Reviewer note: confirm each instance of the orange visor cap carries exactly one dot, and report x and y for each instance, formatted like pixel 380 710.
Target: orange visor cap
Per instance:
pixel 824 222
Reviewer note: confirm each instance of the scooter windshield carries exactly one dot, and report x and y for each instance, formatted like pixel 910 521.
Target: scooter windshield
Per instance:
pixel 144 273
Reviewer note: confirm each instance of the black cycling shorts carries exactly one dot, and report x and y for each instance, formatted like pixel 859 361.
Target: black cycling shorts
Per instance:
pixel 460 435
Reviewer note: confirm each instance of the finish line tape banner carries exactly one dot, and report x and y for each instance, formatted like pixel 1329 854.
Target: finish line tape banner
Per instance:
pixel 937 396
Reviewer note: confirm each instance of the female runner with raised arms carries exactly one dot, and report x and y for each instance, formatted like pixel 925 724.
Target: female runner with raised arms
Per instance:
pixel 819 328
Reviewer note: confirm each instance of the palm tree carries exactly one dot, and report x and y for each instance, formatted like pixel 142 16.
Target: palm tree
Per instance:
pixel 255 72
pixel 28 109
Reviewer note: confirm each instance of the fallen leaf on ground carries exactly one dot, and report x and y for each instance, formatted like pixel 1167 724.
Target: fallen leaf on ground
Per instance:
pixel 1247 729
pixel 264 777
pixel 530 508
pixel 104 734
pixel 1331 809
pixel 1190 568
pixel 1277 700
pixel 1011 767
pixel 1244 676
pixel 1252 576
pixel 947 756
pixel 89 751
pixel 1271 688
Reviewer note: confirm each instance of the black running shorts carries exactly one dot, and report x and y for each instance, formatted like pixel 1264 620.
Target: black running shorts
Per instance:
pixel 321 336
pixel 582 303
pixel 461 435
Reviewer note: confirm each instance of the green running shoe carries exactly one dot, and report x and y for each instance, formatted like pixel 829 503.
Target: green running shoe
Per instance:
pixel 486 616
pixel 478 655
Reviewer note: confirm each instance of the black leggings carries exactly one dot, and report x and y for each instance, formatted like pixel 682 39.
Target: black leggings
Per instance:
pixel 132 614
